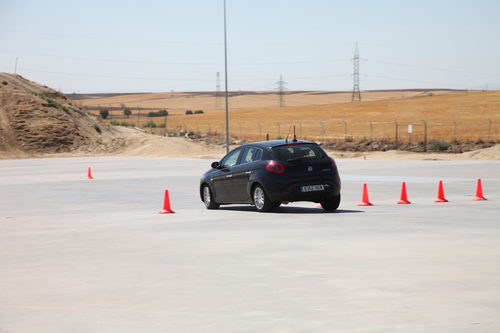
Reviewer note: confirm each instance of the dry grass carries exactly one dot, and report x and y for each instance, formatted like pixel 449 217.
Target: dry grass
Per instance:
pixel 448 115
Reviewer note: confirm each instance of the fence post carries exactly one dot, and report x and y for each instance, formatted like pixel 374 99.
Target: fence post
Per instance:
pixel 165 126
pixel 345 130
pixel 489 129
pixel 425 135
pixel 454 130
pixel 371 131
pixel 396 133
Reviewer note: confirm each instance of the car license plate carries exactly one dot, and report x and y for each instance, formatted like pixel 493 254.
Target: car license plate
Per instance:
pixel 312 188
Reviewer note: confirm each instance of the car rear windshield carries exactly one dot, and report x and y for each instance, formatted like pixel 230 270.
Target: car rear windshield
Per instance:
pixel 298 152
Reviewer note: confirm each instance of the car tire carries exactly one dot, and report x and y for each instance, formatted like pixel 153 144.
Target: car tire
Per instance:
pixel 261 200
pixel 208 198
pixel 331 204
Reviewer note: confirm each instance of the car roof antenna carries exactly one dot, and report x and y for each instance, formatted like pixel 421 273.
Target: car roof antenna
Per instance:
pixel 288 134
pixel 294 135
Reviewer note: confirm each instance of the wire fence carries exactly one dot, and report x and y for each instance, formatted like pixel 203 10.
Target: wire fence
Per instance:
pixel 337 130
pixel 421 131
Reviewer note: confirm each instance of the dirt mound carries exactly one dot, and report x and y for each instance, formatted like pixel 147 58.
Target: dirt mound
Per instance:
pixel 36 119
pixel 136 143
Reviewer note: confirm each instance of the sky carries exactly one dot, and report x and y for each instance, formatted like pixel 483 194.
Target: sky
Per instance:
pixel 154 46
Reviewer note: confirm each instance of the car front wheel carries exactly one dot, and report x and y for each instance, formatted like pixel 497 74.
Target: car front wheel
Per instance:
pixel 208 198
pixel 261 200
pixel 331 203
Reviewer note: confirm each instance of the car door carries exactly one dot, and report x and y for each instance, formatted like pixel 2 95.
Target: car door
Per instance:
pixel 221 182
pixel 241 173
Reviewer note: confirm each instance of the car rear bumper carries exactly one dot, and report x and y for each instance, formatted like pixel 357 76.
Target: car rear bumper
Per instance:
pixel 291 191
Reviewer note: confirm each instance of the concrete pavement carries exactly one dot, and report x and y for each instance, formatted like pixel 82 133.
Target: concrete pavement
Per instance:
pixel 79 255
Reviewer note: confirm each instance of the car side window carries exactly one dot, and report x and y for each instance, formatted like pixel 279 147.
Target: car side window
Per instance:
pixel 231 159
pixel 251 154
pixel 257 155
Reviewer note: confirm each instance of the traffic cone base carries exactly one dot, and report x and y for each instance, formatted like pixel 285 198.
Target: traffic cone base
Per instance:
pixel 166 205
pixel 479 192
pixel 89 173
pixel 365 201
pixel 404 196
pixel 440 197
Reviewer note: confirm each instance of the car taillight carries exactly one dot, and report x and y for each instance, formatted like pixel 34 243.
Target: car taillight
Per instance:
pixel 332 162
pixel 275 167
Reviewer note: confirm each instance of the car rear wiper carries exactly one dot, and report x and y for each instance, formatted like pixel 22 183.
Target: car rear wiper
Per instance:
pixel 297 159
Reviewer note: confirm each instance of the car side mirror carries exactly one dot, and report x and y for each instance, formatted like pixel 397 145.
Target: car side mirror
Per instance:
pixel 215 165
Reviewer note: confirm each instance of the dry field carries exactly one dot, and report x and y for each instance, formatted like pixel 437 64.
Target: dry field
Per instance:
pixel 323 116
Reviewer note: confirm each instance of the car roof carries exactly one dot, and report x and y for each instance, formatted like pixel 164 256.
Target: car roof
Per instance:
pixel 276 143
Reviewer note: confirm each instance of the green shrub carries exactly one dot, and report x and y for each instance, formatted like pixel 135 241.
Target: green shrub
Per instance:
pixel 121 123
pixel 104 113
pixel 127 112
pixel 199 112
pixel 149 124
pixel 160 113
pixel 439 145
pixel 97 128
pixel 189 112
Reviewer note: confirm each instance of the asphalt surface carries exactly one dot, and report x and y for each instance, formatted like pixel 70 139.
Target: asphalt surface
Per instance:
pixel 80 255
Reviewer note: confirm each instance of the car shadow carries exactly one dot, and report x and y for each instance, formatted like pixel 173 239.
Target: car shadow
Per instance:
pixel 291 210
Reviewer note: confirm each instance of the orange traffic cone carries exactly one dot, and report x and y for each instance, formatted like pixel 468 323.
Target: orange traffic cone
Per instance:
pixel 89 173
pixel 479 191
pixel 166 205
pixel 364 200
pixel 404 196
pixel 440 197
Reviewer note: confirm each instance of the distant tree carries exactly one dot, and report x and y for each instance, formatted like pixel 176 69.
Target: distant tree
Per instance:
pixel 160 113
pixel 127 112
pixel 189 112
pixel 104 113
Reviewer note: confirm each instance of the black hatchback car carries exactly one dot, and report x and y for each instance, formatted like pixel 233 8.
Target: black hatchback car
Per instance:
pixel 269 173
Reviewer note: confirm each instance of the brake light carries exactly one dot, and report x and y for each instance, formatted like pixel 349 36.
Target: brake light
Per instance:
pixel 332 161
pixel 275 167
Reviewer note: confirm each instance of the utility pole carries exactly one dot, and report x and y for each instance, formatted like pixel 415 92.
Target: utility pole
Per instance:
pixel 225 75
pixel 218 96
pixel 281 88
pixel 356 94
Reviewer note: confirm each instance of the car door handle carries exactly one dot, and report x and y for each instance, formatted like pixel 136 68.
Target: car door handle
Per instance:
pixel 229 176
pixel 248 172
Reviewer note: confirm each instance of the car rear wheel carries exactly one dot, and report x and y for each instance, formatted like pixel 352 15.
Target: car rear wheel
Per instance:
pixel 331 203
pixel 208 198
pixel 261 200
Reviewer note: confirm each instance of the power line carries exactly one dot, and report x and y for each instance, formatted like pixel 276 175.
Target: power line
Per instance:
pixel 431 68
pixel 150 62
